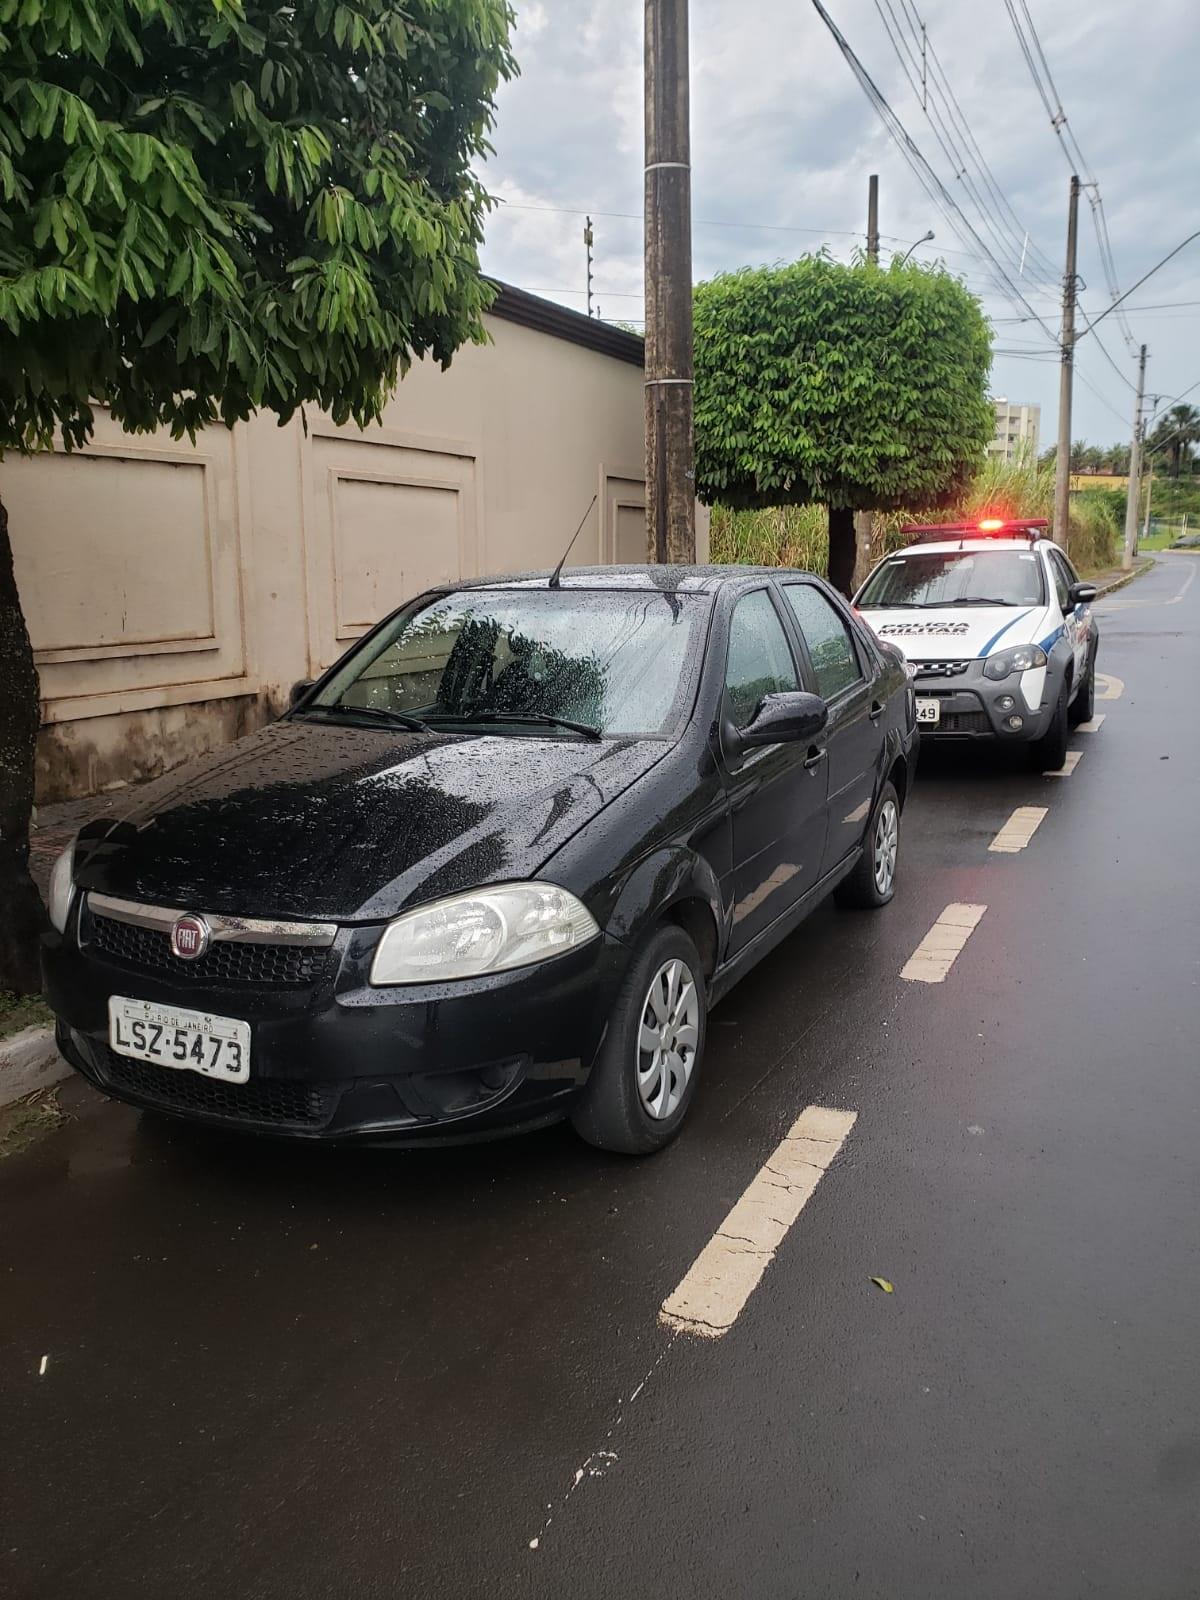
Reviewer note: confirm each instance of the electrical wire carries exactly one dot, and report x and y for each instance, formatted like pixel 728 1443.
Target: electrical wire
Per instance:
pixel 1039 69
pixel 924 173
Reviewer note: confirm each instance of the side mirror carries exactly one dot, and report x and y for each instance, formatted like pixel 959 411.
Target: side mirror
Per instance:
pixel 298 691
pixel 785 717
pixel 1081 594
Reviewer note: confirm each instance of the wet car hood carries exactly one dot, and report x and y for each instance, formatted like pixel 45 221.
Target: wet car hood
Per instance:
pixel 307 819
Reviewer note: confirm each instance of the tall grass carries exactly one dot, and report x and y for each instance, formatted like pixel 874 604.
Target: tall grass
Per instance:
pixel 797 536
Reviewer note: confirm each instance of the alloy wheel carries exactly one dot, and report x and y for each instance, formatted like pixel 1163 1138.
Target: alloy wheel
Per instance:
pixel 887 843
pixel 668 1034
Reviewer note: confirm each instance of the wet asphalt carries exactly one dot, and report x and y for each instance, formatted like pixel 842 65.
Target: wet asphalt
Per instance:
pixel 284 1372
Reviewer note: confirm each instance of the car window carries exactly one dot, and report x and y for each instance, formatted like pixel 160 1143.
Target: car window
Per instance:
pixel 1061 581
pixel 830 647
pixel 954 577
pixel 760 658
pixel 622 661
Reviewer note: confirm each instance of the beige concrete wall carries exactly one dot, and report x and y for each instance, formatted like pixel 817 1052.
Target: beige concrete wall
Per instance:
pixel 175 591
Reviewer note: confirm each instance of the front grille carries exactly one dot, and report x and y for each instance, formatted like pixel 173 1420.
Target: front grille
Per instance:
pixel 963 722
pixel 941 669
pixel 262 1100
pixel 270 966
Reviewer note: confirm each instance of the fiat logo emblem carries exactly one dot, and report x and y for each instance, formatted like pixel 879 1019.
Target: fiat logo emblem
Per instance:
pixel 190 937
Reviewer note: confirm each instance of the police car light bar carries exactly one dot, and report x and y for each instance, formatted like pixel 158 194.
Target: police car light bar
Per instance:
pixel 987 527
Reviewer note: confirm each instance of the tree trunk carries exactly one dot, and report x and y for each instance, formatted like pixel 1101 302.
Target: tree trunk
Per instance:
pixel 22 916
pixel 842 549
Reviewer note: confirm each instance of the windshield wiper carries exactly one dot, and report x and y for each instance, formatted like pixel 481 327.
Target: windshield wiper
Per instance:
pixel 535 719
pixel 393 719
pixel 968 600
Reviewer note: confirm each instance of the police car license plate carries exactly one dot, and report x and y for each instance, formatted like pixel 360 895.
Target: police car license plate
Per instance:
pixel 190 1041
pixel 929 713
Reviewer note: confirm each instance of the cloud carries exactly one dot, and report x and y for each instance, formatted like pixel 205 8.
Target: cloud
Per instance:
pixel 784 138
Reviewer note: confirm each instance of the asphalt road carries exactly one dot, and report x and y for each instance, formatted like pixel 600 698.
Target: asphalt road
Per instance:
pixel 276 1374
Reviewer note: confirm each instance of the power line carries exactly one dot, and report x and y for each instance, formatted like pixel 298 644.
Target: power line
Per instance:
pixel 959 145
pixel 924 173
pixel 1039 69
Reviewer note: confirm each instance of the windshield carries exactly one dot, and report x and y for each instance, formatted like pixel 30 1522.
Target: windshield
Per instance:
pixel 955 578
pixel 607 661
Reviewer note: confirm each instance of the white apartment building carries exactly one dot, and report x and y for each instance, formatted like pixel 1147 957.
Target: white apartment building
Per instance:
pixel 1018 428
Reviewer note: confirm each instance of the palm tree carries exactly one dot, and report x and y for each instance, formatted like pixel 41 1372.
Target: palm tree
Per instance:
pixel 1176 433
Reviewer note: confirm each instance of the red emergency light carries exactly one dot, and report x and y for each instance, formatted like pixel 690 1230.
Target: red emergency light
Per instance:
pixel 987 527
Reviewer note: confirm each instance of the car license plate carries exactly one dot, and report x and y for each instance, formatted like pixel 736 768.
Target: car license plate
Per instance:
pixel 191 1041
pixel 929 713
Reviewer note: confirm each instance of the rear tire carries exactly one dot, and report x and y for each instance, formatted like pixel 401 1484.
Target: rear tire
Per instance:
pixel 1084 707
pixel 1049 753
pixel 873 881
pixel 645 1076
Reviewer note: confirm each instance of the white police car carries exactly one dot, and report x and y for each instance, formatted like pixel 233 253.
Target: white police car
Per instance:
pixel 998 630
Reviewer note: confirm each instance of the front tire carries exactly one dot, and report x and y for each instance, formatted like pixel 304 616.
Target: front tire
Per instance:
pixel 873 881
pixel 645 1076
pixel 1084 707
pixel 1049 753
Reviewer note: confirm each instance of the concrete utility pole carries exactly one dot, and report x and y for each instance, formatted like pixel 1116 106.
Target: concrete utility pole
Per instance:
pixel 1062 461
pixel 589 238
pixel 670 458
pixel 1134 494
pixel 864 521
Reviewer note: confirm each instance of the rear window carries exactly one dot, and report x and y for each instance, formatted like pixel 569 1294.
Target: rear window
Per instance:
pixel 955 578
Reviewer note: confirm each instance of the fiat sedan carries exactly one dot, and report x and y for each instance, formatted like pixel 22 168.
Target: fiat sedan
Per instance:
pixel 494 867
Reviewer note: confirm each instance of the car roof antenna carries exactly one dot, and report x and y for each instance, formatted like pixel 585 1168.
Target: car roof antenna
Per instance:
pixel 556 576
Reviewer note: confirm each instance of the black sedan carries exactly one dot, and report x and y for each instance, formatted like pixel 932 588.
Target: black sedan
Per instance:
pixel 493 868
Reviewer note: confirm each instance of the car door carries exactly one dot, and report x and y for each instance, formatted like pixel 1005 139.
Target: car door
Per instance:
pixel 847 679
pixel 777 793
pixel 1075 618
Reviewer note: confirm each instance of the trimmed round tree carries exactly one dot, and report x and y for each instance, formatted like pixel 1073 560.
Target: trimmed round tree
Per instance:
pixel 859 388
pixel 209 207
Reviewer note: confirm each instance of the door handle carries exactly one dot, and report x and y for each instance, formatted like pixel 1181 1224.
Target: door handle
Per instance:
pixel 814 759
pixel 876 711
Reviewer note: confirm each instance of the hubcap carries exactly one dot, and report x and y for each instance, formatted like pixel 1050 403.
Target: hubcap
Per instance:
pixel 668 1034
pixel 887 841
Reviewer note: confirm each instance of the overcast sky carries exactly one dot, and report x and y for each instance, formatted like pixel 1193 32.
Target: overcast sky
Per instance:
pixel 784 138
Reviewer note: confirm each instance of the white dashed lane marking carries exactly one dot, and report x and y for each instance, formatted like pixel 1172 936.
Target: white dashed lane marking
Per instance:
pixel 726 1272
pixel 1068 767
pixel 936 953
pixel 1018 830
pixel 1108 687
pixel 1093 726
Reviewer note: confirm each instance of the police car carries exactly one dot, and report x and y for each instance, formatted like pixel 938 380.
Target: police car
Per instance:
pixel 998 631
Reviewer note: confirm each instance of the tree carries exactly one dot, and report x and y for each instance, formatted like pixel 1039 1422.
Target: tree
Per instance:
pixel 211 207
pixel 1176 432
pixel 855 387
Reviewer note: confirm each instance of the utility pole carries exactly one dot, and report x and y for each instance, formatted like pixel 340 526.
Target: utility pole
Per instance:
pixel 670 458
pixel 1133 496
pixel 588 239
pixel 1149 497
pixel 1062 461
pixel 864 521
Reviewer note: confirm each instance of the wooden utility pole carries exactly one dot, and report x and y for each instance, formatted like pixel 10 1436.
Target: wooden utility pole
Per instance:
pixel 1133 495
pixel 1062 460
pixel 670 460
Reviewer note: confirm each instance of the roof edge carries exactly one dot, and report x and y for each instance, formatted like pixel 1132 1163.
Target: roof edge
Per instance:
pixel 545 316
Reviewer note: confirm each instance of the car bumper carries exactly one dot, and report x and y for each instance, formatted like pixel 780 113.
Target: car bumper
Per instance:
pixel 974 707
pixel 340 1061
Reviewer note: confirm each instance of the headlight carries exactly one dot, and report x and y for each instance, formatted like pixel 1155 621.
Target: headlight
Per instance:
pixel 490 930
pixel 62 887
pixel 1019 658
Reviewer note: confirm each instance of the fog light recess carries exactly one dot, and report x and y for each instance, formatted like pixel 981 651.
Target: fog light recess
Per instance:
pixel 1005 702
pixel 1016 723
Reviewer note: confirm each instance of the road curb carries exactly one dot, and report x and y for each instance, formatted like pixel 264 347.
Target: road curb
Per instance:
pixel 29 1060
pixel 1126 577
